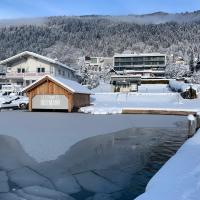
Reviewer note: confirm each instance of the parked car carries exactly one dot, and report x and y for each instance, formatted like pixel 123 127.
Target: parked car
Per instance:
pixel 14 101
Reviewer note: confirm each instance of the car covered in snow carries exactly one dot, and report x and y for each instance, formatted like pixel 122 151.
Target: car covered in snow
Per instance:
pixel 14 101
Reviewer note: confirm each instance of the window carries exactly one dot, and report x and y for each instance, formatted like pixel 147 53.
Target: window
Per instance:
pixel 59 72
pixel 93 60
pixel 40 70
pixel 20 70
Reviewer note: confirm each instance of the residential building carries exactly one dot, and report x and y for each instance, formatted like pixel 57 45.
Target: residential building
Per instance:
pixel 98 64
pixel 147 65
pixel 27 67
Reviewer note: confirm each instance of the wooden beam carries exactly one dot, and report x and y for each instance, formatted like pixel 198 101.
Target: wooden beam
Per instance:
pixel 158 112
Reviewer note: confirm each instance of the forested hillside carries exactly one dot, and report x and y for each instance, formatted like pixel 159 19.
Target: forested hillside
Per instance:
pixel 67 38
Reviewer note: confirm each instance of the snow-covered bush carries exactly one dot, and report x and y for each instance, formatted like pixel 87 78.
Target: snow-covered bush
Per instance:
pixel 176 70
pixel 196 77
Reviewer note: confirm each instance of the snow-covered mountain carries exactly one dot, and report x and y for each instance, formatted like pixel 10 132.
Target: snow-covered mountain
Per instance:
pixel 67 38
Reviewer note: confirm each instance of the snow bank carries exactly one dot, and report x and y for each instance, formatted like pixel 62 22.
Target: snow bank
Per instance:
pixel 114 103
pixel 178 179
pixel 178 86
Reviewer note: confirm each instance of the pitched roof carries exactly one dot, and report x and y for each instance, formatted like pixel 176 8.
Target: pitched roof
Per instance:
pixel 70 85
pixel 28 53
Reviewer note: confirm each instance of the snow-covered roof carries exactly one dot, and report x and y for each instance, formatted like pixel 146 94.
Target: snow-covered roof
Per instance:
pixel 70 85
pixel 28 53
pixel 139 55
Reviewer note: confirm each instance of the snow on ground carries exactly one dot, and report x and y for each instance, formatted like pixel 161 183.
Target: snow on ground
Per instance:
pixel 180 86
pixel 178 179
pixel 112 103
pixel 152 88
pixel 103 87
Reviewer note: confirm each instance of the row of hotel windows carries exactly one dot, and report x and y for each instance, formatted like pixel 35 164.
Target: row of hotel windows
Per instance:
pixel 139 59
pixel 140 63
pixel 139 68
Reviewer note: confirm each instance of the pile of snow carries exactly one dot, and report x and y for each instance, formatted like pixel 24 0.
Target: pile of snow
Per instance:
pixel 179 177
pixel 179 86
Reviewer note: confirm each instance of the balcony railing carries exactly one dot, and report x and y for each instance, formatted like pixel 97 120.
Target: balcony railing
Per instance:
pixel 26 74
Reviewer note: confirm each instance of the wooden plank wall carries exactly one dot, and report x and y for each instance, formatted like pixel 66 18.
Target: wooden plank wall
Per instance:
pixel 81 100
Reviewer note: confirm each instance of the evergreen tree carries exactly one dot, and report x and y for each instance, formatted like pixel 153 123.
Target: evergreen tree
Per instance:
pixel 191 63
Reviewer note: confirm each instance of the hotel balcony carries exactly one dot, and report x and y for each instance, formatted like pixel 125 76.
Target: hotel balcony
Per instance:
pixel 26 75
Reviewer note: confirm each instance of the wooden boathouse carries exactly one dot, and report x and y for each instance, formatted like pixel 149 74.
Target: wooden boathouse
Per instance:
pixel 56 93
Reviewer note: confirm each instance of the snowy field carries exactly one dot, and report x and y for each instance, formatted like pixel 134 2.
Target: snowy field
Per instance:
pixel 105 87
pixel 178 179
pixel 112 103
pixel 152 88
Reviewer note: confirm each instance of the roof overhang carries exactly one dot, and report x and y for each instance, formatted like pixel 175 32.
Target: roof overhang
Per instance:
pixel 35 55
pixel 54 80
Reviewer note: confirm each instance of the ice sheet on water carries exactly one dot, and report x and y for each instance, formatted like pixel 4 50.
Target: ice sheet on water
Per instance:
pixel 12 155
pixel 4 187
pixel 46 193
pixel 67 184
pixel 100 197
pixel 24 177
pixel 95 183
pixel 59 176
pixel 10 196
pixel 115 176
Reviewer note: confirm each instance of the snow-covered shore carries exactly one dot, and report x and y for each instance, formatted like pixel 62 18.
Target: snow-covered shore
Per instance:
pixel 178 179
pixel 112 103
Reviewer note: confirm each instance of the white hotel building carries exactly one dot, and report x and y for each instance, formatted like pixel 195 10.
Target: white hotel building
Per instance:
pixel 147 65
pixel 27 67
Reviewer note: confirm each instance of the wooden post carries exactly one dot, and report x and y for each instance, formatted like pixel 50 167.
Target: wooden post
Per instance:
pixel 30 101
pixel 192 124
pixel 198 120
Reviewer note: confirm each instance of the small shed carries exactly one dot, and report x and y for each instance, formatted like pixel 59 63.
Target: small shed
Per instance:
pixel 56 93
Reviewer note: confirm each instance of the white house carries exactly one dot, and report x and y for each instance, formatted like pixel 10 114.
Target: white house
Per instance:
pixel 27 67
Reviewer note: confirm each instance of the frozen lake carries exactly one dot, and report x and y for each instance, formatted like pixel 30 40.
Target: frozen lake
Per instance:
pixel 83 156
